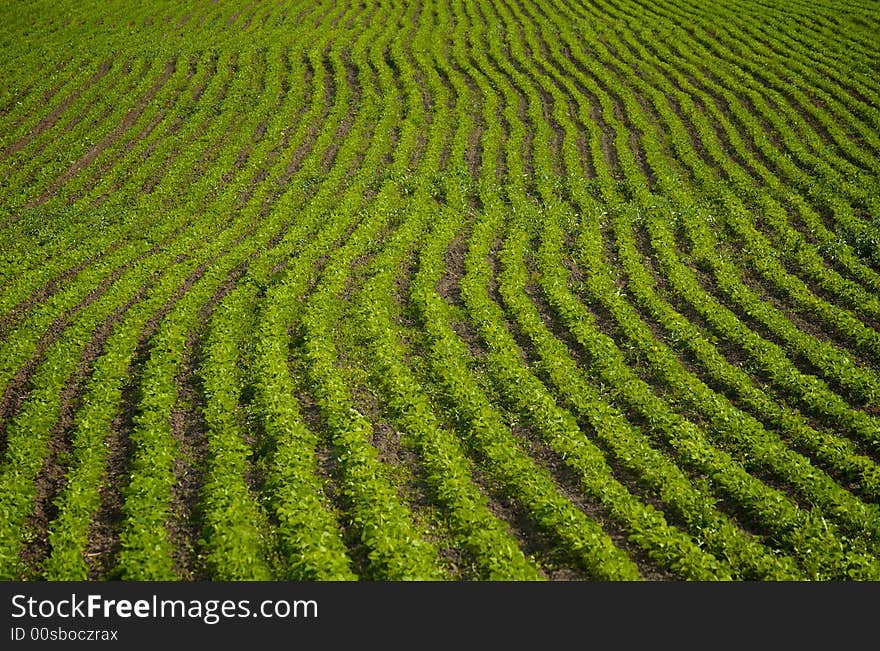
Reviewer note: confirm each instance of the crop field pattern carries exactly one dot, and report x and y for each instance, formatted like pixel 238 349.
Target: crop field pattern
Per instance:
pixel 440 290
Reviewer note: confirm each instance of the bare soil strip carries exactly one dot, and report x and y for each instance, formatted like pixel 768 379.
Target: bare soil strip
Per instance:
pixel 108 139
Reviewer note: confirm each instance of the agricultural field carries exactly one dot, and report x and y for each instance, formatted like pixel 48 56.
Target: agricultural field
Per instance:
pixel 440 290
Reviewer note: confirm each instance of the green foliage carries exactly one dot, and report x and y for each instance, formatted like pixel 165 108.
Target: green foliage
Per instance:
pixel 610 268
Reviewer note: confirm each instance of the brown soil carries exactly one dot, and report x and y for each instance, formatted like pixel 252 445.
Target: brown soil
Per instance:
pixel 50 120
pixel 330 475
pixel 183 20
pixel 103 545
pixel 774 297
pixel 473 155
pixel 211 152
pixel 588 166
pixel 99 114
pixel 451 103
pixel 413 488
pixel 231 20
pixel 273 154
pixel 401 289
pixel 249 19
pixel 448 287
pixel 13 318
pixel 744 520
pixel 189 430
pixel 530 539
pixel 18 387
pixel 144 133
pixel 245 152
pixel 104 534
pixel 568 485
pixel 153 180
pixel 607 134
pixel 126 123
pixel 557 134
pixel 24 92
pixel 351 80
pixel 365 18
pixel 427 109
pixel 299 154
pixel 51 479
